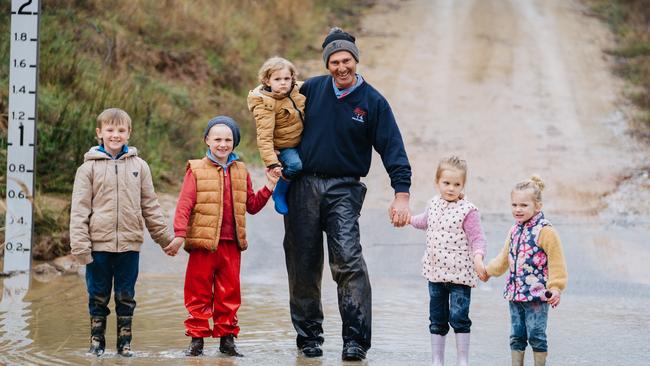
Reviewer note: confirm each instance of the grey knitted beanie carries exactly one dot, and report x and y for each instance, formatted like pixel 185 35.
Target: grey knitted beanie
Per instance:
pixel 339 40
pixel 224 120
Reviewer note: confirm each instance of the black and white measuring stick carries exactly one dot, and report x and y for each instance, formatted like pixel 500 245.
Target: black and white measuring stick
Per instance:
pixel 21 135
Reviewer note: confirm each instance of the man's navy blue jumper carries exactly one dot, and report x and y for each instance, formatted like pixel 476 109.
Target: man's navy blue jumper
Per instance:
pixel 339 134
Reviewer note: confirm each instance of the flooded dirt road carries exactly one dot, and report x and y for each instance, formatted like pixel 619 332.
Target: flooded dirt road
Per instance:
pixel 515 87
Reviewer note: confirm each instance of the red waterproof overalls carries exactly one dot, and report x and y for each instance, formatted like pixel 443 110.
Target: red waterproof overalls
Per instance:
pixel 212 287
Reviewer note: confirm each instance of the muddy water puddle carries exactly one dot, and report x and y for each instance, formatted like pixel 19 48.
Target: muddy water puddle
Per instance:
pixel 602 320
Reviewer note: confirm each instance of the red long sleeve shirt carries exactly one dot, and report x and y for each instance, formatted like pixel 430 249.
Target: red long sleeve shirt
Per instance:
pixel 187 199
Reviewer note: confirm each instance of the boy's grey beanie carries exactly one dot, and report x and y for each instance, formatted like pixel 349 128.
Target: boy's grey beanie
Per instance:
pixel 339 40
pixel 224 120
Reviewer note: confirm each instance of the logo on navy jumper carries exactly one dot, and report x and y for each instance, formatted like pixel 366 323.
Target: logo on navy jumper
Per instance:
pixel 359 115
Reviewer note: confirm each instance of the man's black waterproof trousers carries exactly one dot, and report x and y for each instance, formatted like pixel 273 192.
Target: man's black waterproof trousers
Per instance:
pixel 332 205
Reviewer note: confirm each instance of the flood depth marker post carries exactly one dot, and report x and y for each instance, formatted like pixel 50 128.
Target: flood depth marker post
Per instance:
pixel 21 135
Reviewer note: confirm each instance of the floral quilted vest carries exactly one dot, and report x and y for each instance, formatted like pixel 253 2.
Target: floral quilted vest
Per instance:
pixel 528 264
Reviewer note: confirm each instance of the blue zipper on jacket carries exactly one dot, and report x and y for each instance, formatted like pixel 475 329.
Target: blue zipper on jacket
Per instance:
pixel 231 158
pixel 516 257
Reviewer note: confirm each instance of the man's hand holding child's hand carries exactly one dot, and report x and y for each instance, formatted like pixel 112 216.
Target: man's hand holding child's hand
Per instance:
pixel 277 171
pixel 272 177
pixel 399 212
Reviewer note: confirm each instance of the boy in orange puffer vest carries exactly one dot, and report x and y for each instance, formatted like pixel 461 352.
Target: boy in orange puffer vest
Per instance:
pixel 211 219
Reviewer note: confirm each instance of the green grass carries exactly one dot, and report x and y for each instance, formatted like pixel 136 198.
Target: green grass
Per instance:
pixel 172 65
pixel 630 22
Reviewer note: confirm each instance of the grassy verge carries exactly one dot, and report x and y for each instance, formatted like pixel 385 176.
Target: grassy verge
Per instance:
pixel 51 217
pixel 170 64
pixel 630 22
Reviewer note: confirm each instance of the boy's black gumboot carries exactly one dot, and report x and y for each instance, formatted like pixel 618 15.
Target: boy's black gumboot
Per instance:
pixel 195 348
pixel 227 346
pixel 97 331
pixel 124 336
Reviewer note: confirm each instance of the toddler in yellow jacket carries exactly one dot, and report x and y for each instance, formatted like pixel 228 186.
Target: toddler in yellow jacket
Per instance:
pixel 537 271
pixel 278 109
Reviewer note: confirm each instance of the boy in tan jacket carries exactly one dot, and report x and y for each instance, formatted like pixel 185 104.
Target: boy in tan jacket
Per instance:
pixel 278 109
pixel 112 199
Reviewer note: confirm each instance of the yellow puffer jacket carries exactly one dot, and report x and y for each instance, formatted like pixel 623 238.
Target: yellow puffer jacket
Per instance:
pixel 204 227
pixel 279 120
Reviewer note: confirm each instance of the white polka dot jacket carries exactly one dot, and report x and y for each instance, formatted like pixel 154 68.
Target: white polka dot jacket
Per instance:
pixel 454 236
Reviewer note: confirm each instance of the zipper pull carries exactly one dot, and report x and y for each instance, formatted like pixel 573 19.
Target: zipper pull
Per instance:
pixel 115 168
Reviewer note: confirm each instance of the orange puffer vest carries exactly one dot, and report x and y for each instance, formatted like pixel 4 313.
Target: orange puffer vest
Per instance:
pixel 205 221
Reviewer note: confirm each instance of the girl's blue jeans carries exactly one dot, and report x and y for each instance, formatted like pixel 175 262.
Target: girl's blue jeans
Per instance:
pixel 108 268
pixel 528 325
pixel 291 163
pixel 449 305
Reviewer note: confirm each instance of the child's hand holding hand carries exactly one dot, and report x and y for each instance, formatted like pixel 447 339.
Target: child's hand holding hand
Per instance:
pixel 554 299
pixel 277 171
pixel 173 247
pixel 479 267
pixel 272 178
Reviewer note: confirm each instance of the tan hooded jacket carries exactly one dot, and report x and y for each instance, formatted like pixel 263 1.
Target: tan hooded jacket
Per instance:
pixel 279 120
pixel 112 201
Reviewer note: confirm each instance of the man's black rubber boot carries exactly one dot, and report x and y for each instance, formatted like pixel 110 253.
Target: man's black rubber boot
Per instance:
pixel 227 346
pixel 195 348
pixel 311 349
pixel 97 332
pixel 352 351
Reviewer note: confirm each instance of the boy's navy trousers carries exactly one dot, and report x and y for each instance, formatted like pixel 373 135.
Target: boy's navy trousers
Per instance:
pixel 106 269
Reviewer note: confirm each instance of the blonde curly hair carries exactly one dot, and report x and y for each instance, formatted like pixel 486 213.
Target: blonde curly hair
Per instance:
pixel 274 64
pixel 534 183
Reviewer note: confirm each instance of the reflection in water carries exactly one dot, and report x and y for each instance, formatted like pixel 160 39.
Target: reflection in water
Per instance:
pixel 14 314
pixel 17 317
pixel 50 324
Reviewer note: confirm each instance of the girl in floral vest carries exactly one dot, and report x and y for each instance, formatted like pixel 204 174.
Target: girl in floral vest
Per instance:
pixel 454 255
pixel 537 271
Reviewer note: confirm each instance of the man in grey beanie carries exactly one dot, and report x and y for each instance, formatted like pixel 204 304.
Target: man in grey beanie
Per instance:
pixel 345 119
pixel 338 40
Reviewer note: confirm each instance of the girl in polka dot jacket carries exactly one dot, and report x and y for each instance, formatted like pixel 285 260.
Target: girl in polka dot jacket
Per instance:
pixel 454 255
